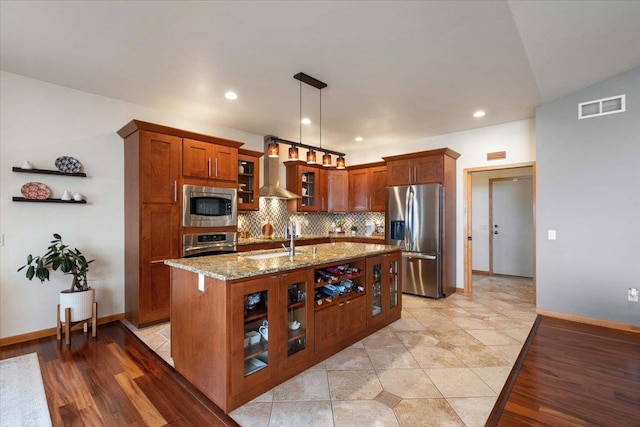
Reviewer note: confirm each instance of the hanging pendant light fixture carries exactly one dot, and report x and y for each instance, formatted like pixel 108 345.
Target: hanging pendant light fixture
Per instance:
pixel 311 157
pixel 326 160
pixel 273 150
pixel 293 153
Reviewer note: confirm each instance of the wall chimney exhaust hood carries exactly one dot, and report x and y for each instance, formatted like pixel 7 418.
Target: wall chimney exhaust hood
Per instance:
pixel 272 187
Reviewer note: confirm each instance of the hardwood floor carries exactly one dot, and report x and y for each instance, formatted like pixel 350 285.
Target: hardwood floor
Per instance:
pixel 115 380
pixel 572 374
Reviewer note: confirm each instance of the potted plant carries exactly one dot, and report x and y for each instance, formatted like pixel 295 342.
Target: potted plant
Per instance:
pixel 79 297
pixel 340 225
pixel 354 230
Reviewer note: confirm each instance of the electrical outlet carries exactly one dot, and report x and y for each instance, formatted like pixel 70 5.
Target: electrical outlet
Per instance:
pixel 633 295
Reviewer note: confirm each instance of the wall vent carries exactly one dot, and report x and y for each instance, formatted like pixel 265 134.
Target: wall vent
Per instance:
pixel 601 107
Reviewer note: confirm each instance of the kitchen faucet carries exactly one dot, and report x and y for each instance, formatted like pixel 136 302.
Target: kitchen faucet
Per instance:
pixel 292 244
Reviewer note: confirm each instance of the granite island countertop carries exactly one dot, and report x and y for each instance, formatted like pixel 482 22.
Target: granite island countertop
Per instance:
pixel 282 239
pixel 245 264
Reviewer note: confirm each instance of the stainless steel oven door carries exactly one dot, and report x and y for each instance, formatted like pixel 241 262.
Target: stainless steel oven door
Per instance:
pixel 194 245
pixel 209 206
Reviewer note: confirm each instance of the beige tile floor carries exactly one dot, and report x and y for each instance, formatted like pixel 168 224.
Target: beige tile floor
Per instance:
pixel 443 363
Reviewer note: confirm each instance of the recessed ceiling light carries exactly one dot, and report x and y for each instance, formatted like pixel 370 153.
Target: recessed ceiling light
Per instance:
pixel 359 138
pixel 231 95
pixel 479 113
pixel 305 121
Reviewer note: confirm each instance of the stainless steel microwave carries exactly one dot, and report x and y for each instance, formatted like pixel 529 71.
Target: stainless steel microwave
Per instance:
pixel 209 206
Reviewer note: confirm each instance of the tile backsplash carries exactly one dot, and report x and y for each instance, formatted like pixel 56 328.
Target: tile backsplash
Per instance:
pixel 275 211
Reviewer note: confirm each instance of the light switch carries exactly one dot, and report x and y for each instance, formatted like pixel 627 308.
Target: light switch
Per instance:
pixel 551 234
pixel 201 282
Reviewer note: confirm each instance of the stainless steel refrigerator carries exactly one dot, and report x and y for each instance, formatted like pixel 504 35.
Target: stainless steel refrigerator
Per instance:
pixel 413 222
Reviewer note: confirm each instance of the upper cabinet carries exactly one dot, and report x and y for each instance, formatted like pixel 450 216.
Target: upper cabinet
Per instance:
pixel 248 179
pixel 209 161
pixel 366 187
pixel 337 191
pixel 424 167
pixel 159 162
pixel 304 180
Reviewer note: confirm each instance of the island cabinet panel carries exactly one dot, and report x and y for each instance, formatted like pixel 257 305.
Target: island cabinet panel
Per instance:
pixel 254 332
pixel 383 294
pixel 295 320
pixel 199 333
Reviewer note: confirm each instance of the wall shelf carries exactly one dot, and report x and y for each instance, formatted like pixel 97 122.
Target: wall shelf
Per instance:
pixel 49 172
pixel 22 199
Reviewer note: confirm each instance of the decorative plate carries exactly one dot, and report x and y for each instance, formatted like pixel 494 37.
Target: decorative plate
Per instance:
pixel 35 190
pixel 68 164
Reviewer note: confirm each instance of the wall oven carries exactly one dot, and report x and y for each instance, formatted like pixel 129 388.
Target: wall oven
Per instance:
pixel 195 245
pixel 209 206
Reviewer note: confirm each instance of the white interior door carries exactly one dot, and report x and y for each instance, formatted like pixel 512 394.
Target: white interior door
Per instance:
pixel 512 226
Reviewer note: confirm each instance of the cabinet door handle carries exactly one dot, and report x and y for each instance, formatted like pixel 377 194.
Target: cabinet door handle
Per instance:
pixel 349 302
pixel 216 167
pixel 410 175
pixel 341 304
pixel 209 166
pixel 175 190
pixel 415 174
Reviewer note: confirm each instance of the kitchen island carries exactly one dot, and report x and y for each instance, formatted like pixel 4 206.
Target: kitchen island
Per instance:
pixel 244 323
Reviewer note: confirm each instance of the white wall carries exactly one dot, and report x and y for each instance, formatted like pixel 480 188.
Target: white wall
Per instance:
pixel 516 138
pixel 480 212
pixel 40 122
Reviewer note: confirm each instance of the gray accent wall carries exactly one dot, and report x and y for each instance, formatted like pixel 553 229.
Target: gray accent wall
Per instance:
pixel 588 189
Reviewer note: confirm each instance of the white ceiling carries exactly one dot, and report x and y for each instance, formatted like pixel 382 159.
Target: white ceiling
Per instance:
pixel 397 71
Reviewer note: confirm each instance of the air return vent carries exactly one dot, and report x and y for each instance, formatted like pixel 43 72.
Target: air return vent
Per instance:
pixel 601 107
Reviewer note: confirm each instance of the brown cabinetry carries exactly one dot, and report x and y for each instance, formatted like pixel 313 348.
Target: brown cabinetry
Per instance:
pixel 209 161
pixel 310 183
pixel 366 187
pixel 337 191
pixel 152 223
pixel 248 179
pixel 237 339
pixel 154 164
pixel 383 294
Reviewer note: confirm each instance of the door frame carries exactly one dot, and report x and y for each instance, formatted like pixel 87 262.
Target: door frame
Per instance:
pixel 467 209
pixel 491 230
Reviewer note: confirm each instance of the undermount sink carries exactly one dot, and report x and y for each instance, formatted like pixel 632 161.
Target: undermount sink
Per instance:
pixel 271 255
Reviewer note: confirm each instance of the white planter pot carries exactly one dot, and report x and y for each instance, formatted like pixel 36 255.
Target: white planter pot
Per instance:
pixel 81 304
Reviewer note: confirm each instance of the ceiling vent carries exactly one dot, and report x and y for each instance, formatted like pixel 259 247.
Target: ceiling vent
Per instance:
pixel 601 107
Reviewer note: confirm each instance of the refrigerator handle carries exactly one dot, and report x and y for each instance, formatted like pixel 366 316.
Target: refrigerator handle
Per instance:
pixel 419 256
pixel 409 236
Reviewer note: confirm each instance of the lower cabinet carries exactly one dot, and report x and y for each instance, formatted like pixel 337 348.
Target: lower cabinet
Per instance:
pixel 383 292
pixel 235 340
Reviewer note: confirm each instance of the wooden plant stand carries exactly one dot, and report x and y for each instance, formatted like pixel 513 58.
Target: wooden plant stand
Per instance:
pixel 65 327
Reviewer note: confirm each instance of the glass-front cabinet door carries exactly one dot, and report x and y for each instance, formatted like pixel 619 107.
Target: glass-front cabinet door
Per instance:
pixel 393 281
pixel 248 180
pixel 375 282
pixel 254 342
pixel 309 186
pixel 296 317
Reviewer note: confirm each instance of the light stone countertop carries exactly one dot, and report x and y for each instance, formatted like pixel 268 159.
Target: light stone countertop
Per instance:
pixel 282 239
pixel 240 265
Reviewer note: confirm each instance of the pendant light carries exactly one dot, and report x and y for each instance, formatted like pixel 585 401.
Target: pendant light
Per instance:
pixel 311 157
pixel 274 149
pixel 293 153
pixel 326 160
pixel 340 163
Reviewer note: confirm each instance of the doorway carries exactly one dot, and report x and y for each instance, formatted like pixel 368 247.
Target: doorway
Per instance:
pixel 511 218
pixel 468 224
